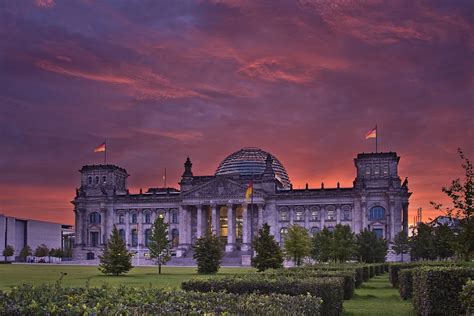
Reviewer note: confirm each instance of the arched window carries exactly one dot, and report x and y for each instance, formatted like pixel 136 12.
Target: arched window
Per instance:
pixel 89 180
pixel 122 234
pixel 299 214
pixel 331 228
pixel 147 217
pixel 121 218
pixel 175 238
pixel 314 214
pixel 174 217
pixel 385 170
pixel 133 218
pixel 283 233
pixel 97 180
pixel 147 237
pixel 104 179
pixel 314 230
pixel 376 170
pixel 367 171
pixel 376 213
pixel 94 218
pixel 134 238
pixel 284 214
pixel 331 213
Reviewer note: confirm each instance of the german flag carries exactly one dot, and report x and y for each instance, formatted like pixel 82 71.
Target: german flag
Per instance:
pixel 101 148
pixel 372 133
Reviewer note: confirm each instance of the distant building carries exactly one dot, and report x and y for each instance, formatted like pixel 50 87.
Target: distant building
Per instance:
pixel 445 220
pixel 19 232
pixel 378 201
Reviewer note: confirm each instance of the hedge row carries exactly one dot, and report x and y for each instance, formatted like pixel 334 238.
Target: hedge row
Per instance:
pixel 56 300
pixel 405 286
pixel 302 273
pixel 436 290
pixel 330 290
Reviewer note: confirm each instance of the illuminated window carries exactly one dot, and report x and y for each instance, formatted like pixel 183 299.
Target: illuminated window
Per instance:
pixel 314 214
pixel 367 171
pixel 385 170
pixel 299 214
pixel 104 179
pixel 376 170
pixel 377 213
pixel 331 213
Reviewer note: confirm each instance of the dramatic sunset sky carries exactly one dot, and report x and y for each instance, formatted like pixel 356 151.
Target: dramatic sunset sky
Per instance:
pixel 163 80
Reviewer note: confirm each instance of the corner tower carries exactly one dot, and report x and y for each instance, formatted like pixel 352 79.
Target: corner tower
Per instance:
pixel 103 180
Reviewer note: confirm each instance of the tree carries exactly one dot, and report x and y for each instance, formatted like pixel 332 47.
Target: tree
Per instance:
pixel 370 248
pixel 342 243
pixel 269 254
pixel 159 245
pixel 321 245
pixel 422 243
pixel 401 244
pixel 8 252
pixel 297 244
pixel 444 240
pixel 462 198
pixel 115 258
pixel 25 252
pixel 208 253
pixel 42 251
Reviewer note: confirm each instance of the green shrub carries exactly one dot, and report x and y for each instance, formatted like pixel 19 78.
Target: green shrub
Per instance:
pixel 56 300
pixel 365 273
pixel 395 269
pixel 467 297
pixel 436 290
pixel 358 276
pixel 371 271
pixel 303 273
pixel 405 287
pixel 330 290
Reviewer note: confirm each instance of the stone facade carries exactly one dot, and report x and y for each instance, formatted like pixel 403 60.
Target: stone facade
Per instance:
pixel 378 201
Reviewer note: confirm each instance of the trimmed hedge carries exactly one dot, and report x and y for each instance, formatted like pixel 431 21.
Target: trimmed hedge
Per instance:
pixel 301 273
pixel 405 286
pixel 436 290
pixel 467 297
pixel 365 274
pixel 395 269
pixel 330 290
pixel 56 300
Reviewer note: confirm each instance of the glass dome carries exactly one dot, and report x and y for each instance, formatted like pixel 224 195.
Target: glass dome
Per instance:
pixel 249 161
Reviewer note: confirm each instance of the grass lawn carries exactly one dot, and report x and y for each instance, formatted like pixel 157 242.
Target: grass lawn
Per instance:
pixel 377 297
pixel 171 277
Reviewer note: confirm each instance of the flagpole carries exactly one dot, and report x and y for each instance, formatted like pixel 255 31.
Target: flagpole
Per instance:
pixel 105 152
pixel 376 138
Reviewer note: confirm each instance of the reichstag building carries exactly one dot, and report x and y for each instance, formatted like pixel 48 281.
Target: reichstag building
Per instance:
pixel 378 201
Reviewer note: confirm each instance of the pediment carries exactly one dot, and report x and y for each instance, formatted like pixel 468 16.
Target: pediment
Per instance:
pixel 220 188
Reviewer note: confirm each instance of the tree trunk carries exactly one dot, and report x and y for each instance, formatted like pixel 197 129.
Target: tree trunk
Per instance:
pixel 159 268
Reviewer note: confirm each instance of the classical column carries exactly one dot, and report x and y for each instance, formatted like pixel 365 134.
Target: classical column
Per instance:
pixel 139 227
pixel 110 221
pixel 182 226
pixel 338 214
pixel 230 229
pixel 199 220
pixel 363 209
pixel 189 227
pixel 307 214
pixel 322 215
pixel 127 228
pixel 291 214
pixel 261 210
pixel 391 234
pixel 245 229
pixel 215 220
pixel 103 222
pixel 78 227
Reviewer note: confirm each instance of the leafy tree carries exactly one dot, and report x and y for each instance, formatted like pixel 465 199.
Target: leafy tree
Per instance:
pixel 25 252
pixel 115 258
pixel 443 241
pixel 297 244
pixel 269 254
pixel 342 243
pixel 321 245
pixel 8 252
pixel 42 251
pixel 208 253
pixel 422 243
pixel 159 245
pixel 370 248
pixel 462 198
pixel 401 244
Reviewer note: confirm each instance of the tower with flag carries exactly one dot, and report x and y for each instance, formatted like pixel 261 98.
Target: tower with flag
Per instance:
pixel 102 148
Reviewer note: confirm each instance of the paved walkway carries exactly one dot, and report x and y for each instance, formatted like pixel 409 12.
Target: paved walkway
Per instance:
pixel 377 297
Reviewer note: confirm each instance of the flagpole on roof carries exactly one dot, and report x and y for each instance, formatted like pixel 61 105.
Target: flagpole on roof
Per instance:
pixel 105 152
pixel 376 138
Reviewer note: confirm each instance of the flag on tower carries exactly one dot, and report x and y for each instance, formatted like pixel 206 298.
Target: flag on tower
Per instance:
pixel 372 133
pixel 100 148
pixel 249 192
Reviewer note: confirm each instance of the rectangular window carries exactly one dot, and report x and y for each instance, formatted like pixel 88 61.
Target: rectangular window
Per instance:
pixel 330 216
pixel 299 216
pixel 284 216
pixel 378 232
pixel 94 239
